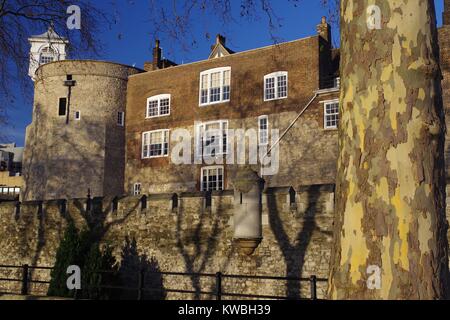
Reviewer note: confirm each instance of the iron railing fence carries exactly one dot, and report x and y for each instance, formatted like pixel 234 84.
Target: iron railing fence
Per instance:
pixel 26 280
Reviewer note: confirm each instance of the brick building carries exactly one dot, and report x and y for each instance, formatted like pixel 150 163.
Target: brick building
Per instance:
pixel 291 87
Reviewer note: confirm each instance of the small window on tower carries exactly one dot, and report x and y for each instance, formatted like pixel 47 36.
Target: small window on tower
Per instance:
pixel 62 106
pixel 121 118
pixel 77 115
pixel 137 189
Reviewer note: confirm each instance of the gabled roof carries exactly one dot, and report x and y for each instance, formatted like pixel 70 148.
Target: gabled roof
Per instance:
pixel 219 50
pixel 50 34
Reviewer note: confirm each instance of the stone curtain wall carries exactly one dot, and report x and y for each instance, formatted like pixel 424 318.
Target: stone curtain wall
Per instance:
pixel 190 233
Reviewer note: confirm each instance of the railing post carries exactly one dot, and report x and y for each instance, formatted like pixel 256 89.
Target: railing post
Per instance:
pixel 313 282
pixel 24 290
pixel 141 284
pixel 219 286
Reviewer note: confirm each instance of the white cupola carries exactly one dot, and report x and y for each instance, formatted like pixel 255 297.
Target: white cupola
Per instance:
pixel 45 48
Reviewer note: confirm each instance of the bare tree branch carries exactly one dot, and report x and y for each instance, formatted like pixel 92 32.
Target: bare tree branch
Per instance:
pixel 19 19
pixel 178 20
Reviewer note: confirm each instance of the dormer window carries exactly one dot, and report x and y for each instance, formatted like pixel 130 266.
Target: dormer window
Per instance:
pixel 276 86
pixel 215 86
pixel 158 106
pixel 47 55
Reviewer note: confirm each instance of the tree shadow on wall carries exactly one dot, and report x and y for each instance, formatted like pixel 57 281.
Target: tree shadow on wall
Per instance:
pixel 133 264
pixel 294 253
pixel 197 246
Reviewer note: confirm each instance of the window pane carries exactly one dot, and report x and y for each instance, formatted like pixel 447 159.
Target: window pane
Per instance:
pixel 120 118
pixel 165 106
pixel 215 87
pixel 212 137
pixel 45 58
pixel 204 82
pixel 226 78
pixel 226 84
pixel 270 88
pixel 215 80
pixel 332 115
pixel 263 131
pixel 204 96
pixel 212 179
pixel 282 86
pixel 152 110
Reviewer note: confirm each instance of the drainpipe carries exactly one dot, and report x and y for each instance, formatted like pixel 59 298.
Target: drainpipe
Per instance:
pixel 289 128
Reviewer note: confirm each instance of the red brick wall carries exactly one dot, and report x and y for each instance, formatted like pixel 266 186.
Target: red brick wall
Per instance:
pixel 444 42
pixel 301 58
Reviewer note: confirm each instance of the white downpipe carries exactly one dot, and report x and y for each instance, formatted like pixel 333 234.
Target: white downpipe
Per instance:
pixel 289 128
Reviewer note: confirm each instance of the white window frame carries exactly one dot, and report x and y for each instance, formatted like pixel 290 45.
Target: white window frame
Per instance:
pixel 275 76
pixel 166 133
pixel 48 53
pixel 79 115
pixel 121 123
pixel 137 189
pixel 158 98
pixel 260 131
pixel 208 73
pixel 200 133
pixel 325 104
pixel 203 169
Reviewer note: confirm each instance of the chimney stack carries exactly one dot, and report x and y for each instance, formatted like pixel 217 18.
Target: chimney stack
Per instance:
pixel 324 30
pixel 221 39
pixel 446 14
pixel 157 56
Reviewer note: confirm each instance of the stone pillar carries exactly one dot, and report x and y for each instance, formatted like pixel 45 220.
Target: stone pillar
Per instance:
pixel 248 187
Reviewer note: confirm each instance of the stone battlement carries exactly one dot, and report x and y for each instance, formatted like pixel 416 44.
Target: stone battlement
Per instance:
pixel 189 232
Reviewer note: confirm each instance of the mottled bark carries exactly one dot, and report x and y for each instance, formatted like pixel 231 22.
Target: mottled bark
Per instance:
pixel 391 175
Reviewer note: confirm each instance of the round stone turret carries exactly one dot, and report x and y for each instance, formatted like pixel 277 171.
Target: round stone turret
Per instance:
pixel 76 141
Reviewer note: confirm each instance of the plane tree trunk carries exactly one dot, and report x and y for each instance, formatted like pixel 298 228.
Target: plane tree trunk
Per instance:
pixel 390 210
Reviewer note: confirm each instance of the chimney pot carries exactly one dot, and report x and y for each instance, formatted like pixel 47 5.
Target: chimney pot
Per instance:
pixel 157 53
pixel 324 29
pixel 220 39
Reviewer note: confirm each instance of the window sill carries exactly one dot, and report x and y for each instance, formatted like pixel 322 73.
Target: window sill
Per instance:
pixel 213 103
pixel 153 117
pixel 269 100
pixel 154 157
pixel 328 90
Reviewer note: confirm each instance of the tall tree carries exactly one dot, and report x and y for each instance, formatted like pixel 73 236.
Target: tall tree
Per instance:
pixel 391 176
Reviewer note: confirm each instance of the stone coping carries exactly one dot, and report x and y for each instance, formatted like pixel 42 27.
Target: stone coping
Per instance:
pixel 170 196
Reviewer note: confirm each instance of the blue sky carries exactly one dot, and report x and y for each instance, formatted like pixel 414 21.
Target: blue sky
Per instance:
pixel 130 41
